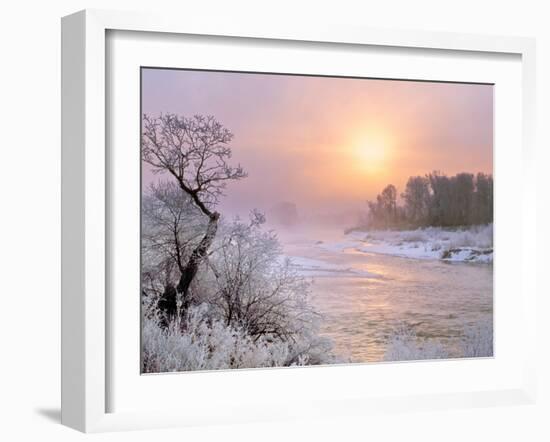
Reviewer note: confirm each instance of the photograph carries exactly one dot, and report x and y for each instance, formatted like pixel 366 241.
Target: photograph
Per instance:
pixel 309 220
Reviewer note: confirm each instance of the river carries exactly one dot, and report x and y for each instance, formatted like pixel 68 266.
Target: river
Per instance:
pixel 363 297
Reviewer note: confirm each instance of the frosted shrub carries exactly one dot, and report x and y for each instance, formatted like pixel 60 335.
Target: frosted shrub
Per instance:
pixel 205 344
pixel 478 236
pixel 478 341
pixel 246 307
pixel 404 345
pixel 311 349
pixel 462 239
pixel 255 288
pixel 414 236
pixel 485 236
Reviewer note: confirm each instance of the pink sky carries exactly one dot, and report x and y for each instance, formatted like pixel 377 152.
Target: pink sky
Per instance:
pixel 330 143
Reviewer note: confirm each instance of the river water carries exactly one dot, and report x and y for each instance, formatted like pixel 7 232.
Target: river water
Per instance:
pixel 363 297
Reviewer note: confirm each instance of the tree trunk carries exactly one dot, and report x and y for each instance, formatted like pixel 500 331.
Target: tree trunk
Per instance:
pixel 167 306
pixel 191 268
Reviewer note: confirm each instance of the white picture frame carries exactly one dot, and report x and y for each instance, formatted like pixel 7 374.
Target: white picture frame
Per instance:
pixel 86 315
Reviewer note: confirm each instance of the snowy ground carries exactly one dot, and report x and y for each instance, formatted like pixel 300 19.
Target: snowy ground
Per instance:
pixel 463 245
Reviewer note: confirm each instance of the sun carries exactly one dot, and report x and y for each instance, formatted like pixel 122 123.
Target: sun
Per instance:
pixel 371 152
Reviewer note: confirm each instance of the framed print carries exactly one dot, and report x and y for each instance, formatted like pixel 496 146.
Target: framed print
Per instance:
pixel 250 214
pixel 257 247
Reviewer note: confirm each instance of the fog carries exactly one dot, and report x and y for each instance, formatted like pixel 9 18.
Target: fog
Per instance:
pixel 326 145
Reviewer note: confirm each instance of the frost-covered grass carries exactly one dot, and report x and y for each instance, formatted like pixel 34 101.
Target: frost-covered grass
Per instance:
pixel 480 237
pixel 472 244
pixel 405 345
pixel 206 343
pixel 478 341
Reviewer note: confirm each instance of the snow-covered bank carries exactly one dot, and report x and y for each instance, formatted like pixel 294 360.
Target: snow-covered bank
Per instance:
pixel 474 244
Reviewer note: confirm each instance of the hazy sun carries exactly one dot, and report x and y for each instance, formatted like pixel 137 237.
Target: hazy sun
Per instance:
pixel 371 152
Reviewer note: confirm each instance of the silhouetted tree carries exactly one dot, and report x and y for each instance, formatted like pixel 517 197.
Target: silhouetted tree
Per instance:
pixel 462 193
pixel 417 200
pixel 435 200
pixel 440 202
pixel 483 199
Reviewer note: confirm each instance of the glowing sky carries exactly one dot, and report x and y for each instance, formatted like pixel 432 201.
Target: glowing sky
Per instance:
pixel 331 142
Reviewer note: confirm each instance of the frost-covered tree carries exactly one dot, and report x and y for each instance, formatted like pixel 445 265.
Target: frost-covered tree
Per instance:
pixel 216 294
pixel 250 308
pixel 256 288
pixel 195 152
pixel 172 226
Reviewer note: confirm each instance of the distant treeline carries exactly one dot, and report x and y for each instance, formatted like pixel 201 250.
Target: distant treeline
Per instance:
pixel 435 200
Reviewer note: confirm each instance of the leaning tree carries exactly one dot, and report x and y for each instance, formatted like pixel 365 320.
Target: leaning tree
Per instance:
pixel 195 152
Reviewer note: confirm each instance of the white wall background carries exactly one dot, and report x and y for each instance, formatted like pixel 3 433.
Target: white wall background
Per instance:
pixel 30 215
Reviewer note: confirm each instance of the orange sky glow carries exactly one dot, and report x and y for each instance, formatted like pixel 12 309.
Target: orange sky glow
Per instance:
pixel 324 142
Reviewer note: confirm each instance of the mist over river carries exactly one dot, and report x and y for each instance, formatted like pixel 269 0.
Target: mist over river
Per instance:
pixel 364 296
